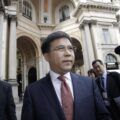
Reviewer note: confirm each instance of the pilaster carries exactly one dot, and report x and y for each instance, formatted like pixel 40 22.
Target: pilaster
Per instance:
pixel 85 53
pixel 93 31
pixel 4 48
pixel 12 55
pixel 88 52
pixel 1 37
pixel 12 48
pixel 12 58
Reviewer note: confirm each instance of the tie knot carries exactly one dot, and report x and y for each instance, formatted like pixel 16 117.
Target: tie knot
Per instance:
pixel 61 78
pixel 102 78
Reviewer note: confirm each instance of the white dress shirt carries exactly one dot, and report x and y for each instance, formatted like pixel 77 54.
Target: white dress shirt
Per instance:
pixel 105 80
pixel 57 83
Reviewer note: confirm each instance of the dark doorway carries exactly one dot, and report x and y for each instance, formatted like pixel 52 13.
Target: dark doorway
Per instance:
pixel 32 76
pixel 19 80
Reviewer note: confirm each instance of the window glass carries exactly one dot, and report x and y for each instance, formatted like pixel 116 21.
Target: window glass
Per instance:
pixel 27 10
pixel 64 13
pixel 111 62
pixel 106 35
pixel 110 58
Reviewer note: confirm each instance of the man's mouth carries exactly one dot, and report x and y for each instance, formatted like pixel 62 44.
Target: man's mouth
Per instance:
pixel 67 61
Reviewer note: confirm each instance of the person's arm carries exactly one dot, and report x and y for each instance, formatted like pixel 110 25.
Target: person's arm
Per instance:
pixel 27 110
pixel 101 111
pixel 11 109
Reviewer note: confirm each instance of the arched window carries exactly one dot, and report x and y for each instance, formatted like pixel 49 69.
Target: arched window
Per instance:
pixel 64 13
pixel 111 62
pixel 110 58
pixel 27 10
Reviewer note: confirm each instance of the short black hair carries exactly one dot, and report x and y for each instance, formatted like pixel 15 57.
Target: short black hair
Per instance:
pixel 117 50
pixel 45 47
pixel 91 71
pixel 97 60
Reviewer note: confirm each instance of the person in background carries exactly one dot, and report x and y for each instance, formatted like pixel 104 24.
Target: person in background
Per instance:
pixel 61 94
pixel 92 74
pixel 7 105
pixel 117 50
pixel 109 85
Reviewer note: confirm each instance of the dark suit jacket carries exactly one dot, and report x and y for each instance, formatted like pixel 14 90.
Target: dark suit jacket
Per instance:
pixel 7 106
pixel 113 91
pixel 41 102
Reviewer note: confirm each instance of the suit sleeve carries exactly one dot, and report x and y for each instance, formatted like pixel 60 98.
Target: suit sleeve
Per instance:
pixel 101 111
pixel 11 109
pixel 27 109
pixel 116 76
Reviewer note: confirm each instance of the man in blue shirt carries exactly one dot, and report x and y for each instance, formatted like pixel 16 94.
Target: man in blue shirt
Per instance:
pixel 109 85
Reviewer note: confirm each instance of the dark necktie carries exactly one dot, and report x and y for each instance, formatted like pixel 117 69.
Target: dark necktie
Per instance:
pixel 66 98
pixel 102 83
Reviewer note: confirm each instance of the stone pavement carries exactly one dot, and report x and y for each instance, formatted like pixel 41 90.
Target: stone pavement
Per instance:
pixel 18 110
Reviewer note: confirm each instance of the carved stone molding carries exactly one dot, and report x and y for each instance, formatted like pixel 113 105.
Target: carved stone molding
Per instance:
pixel 95 5
pixel 90 22
pixel 118 16
pixel 12 17
pixel 46 26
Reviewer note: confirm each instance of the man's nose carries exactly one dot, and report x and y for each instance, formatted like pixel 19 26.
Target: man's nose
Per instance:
pixel 67 51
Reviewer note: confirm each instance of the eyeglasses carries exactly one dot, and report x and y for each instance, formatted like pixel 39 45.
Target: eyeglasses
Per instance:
pixel 63 48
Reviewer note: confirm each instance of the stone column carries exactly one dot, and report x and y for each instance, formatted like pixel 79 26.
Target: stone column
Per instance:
pixel 12 49
pixel 44 67
pixel 1 37
pixel 12 57
pixel 118 18
pixel 94 39
pixel 37 67
pixel 88 52
pixel 43 64
pixel 4 48
pixel 25 75
pixel 85 54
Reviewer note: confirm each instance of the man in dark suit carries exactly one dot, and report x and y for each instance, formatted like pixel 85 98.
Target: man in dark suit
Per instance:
pixel 62 95
pixel 7 105
pixel 109 85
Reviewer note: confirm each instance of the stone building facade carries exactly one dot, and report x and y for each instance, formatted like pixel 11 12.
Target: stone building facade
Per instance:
pixel 24 24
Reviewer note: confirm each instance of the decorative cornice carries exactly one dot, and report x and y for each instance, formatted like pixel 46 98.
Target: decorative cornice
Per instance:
pixel 96 5
pixel 46 26
pixel 90 22
pixel 94 22
pixel 12 17
pixel 118 16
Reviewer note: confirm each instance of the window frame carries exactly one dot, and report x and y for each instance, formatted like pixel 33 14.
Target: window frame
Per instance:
pixel 27 10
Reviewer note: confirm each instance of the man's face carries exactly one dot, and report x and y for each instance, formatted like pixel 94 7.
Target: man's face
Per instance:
pixel 99 68
pixel 61 56
pixel 92 75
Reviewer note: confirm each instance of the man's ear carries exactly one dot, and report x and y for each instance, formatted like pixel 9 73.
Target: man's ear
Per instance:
pixel 46 56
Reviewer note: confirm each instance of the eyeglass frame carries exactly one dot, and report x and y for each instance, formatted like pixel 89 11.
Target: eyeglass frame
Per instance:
pixel 62 48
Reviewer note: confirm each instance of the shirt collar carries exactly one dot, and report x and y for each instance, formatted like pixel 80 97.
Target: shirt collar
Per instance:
pixel 104 75
pixel 54 75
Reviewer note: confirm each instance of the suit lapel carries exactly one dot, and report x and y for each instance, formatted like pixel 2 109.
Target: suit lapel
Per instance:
pixel 51 95
pixel 78 89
